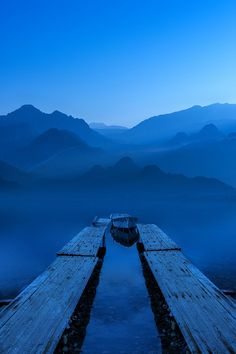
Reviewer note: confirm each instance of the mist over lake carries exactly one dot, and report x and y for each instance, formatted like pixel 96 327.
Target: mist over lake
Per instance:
pixel 34 226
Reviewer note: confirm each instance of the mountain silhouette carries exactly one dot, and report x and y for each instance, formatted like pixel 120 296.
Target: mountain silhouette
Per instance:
pixel 125 165
pixel 38 122
pixel 125 174
pixel 46 145
pixel 69 162
pixel 55 139
pixel 165 126
pixel 209 158
pixel 208 133
pixel 180 138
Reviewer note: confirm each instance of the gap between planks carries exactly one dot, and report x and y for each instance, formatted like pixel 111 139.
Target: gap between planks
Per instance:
pixel 164 249
pixel 75 255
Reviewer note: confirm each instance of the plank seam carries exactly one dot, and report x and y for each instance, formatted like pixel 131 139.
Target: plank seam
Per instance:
pixel 75 255
pixel 163 249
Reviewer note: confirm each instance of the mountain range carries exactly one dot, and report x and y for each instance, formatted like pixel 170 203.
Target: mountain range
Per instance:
pixel 48 145
pixel 210 158
pixel 208 133
pixel 29 137
pixel 127 175
pixel 165 126
pixel 199 141
pixel 28 122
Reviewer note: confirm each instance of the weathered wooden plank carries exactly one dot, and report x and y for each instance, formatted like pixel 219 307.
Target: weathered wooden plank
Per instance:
pixel 154 239
pixel 86 243
pixel 206 317
pixel 36 319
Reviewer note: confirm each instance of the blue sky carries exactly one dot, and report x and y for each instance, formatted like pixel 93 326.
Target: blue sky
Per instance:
pixel 117 61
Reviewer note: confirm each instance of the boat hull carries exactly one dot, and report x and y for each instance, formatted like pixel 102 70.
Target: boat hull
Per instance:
pixel 124 224
pixel 125 236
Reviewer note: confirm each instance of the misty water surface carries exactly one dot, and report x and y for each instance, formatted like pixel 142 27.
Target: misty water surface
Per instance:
pixel 34 227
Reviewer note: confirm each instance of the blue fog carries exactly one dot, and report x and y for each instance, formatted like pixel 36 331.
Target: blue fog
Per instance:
pixel 57 174
pixel 34 228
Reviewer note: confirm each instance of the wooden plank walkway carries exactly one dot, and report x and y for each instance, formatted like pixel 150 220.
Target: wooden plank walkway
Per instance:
pixel 205 316
pixel 154 239
pixel 35 320
pixel 86 243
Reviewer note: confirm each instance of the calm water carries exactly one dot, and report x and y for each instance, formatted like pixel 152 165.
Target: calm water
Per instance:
pixel 34 228
pixel 121 318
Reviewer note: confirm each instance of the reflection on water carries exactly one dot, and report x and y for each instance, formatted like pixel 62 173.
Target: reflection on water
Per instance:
pixel 121 319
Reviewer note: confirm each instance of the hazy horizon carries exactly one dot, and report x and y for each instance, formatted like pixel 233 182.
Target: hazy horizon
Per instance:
pixel 117 62
pixel 118 123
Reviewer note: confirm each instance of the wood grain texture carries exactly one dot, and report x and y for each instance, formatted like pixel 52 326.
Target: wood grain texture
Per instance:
pixel 86 243
pixel 154 239
pixel 35 320
pixel 205 316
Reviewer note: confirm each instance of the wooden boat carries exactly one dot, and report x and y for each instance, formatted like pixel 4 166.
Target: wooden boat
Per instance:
pixel 124 229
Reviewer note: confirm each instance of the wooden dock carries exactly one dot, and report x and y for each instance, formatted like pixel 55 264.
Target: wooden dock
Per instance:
pixel 205 315
pixel 35 320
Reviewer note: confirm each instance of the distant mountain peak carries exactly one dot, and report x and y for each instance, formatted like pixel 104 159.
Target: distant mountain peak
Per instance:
pixel 59 114
pixel 125 163
pixel 163 127
pixel 210 126
pixel 196 106
pixel 153 170
pixel 209 131
pixel 37 122
pixel 125 159
pixel 179 139
pixel 59 137
pixel 26 109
